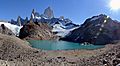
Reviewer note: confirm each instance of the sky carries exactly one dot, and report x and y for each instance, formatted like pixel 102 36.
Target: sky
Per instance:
pixel 76 10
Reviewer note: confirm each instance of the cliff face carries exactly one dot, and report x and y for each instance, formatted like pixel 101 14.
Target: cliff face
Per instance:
pixel 48 13
pixel 5 30
pixel 96 30
pixel 38 31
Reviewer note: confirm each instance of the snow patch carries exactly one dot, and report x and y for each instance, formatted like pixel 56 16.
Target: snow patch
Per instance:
pixel 98 25
pixel 61 31
pixel 95 18
pixel 38 17
pixel 14 28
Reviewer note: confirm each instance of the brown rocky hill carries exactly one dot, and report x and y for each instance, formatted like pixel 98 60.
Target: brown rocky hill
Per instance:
pixel 38 31
pixel 17 50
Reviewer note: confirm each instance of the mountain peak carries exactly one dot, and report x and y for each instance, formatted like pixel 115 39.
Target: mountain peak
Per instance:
pixel 49 7
pixel 33 11
pixel 33 14
pixel 100 16
pixel 19 20
pixel 48 13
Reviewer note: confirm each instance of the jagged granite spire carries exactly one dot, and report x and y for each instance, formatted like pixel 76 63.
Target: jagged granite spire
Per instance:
pixel 19 21
pixel 26 20
pixel 61 17
pixel 33 14
pixel 48 13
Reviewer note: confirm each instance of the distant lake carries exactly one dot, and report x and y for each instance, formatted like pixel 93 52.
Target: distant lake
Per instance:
pixel 61 45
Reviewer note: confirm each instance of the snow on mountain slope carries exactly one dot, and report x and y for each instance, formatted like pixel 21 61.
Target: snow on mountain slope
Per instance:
pixel 63 27
pixel 95 18
pixel 14 28
pixel 61 31
pixel 48 14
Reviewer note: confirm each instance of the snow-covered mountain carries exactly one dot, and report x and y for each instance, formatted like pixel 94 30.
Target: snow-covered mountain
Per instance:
pixel 65 24
pixel 20 21
pixel 61 26
pixel 99 30
pixel 48 14
pixel 60 31
pixel 14 28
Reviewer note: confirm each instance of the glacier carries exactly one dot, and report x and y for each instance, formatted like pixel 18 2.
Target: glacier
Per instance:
pixel 62 26
pixel 61 31
pixel 14 28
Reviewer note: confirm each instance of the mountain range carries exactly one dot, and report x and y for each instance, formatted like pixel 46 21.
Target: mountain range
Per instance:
pixel 61 26
pixel 100 29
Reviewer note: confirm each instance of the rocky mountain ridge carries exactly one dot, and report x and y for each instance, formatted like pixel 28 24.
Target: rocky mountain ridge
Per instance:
pixel 99 29
pixel 65 24
pixel 37 31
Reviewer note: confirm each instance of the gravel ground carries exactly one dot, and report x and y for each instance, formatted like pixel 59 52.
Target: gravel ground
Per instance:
pixel 16 52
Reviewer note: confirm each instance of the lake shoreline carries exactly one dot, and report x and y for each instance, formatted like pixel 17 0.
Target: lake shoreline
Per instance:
pixel 69 59
pixel 62 45
pixel 18 52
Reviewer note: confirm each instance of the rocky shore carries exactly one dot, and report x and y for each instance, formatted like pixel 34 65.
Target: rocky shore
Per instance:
pixel 108 56
pixel 16 52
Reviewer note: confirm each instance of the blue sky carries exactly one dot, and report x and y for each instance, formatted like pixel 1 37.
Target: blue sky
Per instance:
pixel 76 10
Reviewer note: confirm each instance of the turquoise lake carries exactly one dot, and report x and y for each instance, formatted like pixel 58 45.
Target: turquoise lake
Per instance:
pixel 61 45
